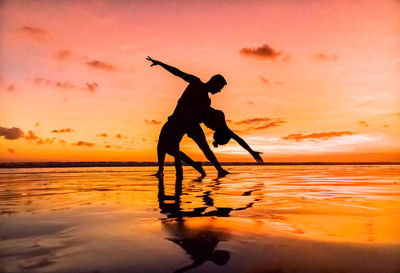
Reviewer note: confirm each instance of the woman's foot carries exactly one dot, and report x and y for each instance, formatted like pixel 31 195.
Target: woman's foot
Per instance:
pixel 222 173
pixel 197 166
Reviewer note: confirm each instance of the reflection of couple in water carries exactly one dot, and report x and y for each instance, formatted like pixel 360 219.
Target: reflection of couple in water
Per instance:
pixel 192 109
pixel 199 242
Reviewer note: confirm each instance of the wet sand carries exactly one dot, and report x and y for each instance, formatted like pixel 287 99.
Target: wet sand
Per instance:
pixel 258 219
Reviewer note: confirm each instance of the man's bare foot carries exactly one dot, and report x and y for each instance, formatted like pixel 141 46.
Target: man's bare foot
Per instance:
pixel 222 173
pixel 199 168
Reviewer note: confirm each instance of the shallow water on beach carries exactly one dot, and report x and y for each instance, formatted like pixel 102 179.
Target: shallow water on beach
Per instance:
pixel 257 219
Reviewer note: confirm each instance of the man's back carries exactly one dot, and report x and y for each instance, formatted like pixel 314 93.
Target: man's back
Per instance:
pixel 192 104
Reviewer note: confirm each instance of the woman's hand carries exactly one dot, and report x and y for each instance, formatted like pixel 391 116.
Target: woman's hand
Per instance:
pixel 257 156
pixel 154 62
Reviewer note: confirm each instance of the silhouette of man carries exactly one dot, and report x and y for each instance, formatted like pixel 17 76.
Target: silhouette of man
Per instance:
pixel 188 115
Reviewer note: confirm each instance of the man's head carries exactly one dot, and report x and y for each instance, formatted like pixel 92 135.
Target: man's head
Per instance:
pixel 216 83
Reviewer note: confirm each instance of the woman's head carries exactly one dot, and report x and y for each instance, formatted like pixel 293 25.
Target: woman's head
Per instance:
pixel 222 137
pixel 215 120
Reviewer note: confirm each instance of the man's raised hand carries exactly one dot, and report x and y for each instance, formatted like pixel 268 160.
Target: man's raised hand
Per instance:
pixel 154 62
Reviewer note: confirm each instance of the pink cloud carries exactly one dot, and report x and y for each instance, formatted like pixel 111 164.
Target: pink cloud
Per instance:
pixel 101 65
pixel 262 52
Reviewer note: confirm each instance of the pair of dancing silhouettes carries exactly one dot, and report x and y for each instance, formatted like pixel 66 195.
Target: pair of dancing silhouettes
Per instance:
pixel 193 108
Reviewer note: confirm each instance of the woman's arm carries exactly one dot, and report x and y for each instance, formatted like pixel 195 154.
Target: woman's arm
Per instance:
pixel 186 77
pixel 256 155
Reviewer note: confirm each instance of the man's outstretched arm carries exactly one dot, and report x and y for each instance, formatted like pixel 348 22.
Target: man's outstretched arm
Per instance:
pixel 186 77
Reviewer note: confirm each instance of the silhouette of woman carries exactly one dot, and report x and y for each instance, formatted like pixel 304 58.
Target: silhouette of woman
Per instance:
pixel 215 120
pixel 168 142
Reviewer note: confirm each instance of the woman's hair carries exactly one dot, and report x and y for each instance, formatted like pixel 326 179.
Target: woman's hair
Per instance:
pixel 221 137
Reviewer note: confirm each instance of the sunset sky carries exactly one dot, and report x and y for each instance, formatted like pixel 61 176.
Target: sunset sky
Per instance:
pixel 307 80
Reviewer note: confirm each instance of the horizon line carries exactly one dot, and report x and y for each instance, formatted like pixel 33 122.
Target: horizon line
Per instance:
pixel 71 164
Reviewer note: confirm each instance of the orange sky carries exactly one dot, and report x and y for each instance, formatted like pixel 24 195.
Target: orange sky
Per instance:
pixel 307 80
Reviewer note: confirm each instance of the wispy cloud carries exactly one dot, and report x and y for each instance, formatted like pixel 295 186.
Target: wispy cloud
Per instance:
pixel 279 146
pixel 62 142
pixel 64 130
pixel 324 57
pixel 322 135
pixel 34 32
pixel 152 122
pixel 120 136
pixel 66 85
pixel 31 136
pixel 264 80
pixel 63 55
pixel 364 123
pixel 42 141
pixel 96 64
pixel 268 82
pixel 259 123
pixel 92 87
pixel 11 88
pixel 253 120
pixel 262 52
pixel 83 143
pixel 269 124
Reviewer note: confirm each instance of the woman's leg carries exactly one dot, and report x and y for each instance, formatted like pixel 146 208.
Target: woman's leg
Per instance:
pixel 161 149
pixel 161 158
pixel 196 165
pixel 178 168
pixel 197 134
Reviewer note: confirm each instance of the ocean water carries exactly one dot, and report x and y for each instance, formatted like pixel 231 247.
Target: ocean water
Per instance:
pixel 257 219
